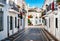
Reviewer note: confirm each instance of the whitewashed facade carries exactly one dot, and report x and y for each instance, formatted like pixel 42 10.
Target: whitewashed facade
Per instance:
pixel 36 20
pixel 52 20
pixel 8 19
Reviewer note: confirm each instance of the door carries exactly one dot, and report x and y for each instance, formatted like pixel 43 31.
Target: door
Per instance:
pixel 8 26
pixel 11 25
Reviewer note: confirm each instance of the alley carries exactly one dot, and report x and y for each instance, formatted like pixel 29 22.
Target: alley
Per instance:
pixel 32 34
pixel 29 20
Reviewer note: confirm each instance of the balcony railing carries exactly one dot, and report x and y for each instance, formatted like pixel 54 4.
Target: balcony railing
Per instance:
pixel 13 6
pixel 50 7
pixel 3 1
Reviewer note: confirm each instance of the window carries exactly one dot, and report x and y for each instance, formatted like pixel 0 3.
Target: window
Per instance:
pixel 15 22
pixel 11 22
pixel 36 21
pixel 4 1
pixel 1 21
pixel 18 23
pixel 49 22
pixel 40 20
pixel 56 23
pixel 45 22
pixel 21 22
pixel 8 26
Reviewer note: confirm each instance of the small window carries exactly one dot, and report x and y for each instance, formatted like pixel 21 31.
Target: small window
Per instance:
pixel 56 23
pixel 36 21
pixel 18 23
pixel 8 22
pixel 45 22
pixel 21 22
pixel 49 22
pixel 1 21
pixel 40 20
pixel 15 22
pixel 11 22
pixel 8 26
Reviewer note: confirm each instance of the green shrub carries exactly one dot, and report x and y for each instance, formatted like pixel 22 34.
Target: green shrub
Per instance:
pixel 29 22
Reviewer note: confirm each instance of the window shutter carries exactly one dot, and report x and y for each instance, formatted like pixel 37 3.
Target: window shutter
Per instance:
pixel 52 6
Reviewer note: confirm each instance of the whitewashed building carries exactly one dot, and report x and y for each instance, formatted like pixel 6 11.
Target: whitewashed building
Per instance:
pixel 36 16
pixel 8 18
pixel 52 17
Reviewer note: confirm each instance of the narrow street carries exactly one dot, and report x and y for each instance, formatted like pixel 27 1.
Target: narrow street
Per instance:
pixel 29 20
pixel 32 34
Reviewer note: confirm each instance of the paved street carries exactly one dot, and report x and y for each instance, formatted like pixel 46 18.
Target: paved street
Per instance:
pixel 32 34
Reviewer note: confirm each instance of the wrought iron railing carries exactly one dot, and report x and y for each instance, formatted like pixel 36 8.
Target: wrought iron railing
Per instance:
pixel 50 6
pixel 13 6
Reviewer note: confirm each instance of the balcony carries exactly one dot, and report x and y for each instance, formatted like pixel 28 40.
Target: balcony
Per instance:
pixel 49 7
pixel 14 6
pixel 2 2
pixel 52 6
pixel 43 13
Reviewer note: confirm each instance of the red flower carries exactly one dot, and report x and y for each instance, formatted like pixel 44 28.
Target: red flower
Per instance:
pixel 28 16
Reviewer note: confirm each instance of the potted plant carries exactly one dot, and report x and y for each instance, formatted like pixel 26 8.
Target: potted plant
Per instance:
pixel 30 16
pixel 29 22
pixel 58 2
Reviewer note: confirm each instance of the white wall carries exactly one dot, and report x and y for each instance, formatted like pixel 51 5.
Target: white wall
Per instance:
pixel 51 29
pixel 58 30
pixel 33 20
pixel 3 34
pixel 14 29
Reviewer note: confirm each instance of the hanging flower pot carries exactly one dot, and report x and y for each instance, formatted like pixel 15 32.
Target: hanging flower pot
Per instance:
pixel 30 16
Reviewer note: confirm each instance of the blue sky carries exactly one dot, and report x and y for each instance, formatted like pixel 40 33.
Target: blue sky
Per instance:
pixel 36 3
